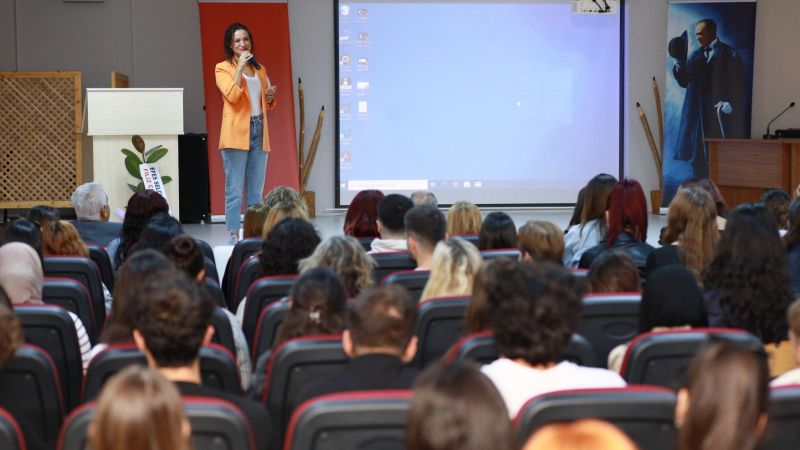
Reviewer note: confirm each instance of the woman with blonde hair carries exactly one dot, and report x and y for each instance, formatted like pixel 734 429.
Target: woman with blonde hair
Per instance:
pixel 345 256
pixel 139 409
pixel 539 240
pixel 253 223
pixel 464 218
pixel 691 234
pixel 281 211
pixel 455 263
pixel 586 434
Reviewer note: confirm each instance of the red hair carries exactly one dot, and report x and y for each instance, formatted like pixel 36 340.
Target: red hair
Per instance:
pixel 362 214
pixel 627 211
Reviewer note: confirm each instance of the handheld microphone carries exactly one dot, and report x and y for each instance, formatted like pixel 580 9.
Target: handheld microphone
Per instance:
pixel 252 61
pixel 771 136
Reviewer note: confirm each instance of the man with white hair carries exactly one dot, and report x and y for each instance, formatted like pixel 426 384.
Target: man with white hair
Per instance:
pixel 91 206
pixel 424 198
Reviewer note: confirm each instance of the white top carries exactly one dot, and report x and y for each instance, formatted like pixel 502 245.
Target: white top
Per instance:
pixel 388 245
pixel 578 240
pixel 788 378
pixel 518 383
pixel 254 88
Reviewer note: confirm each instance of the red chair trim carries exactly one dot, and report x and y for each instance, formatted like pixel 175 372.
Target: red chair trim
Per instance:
pixel 279 349
pixel 197 400
pixel 20 437
pixel 402 272
pixel 68 421
pixel 450 356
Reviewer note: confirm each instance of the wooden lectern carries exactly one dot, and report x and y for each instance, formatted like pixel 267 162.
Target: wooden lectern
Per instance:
pixel 744 168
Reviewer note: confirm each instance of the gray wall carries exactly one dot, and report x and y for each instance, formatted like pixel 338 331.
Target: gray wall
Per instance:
pixel 157 42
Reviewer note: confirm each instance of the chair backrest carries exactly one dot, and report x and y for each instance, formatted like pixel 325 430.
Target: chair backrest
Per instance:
pixel 73 296
pixel 440 325
pixel 413 280
pixel 471 238
pixel 99 255
pixel 74 432
pixel 292 366
pixel 391 262
pixel 241 251
pixel 30 389
pixel 11 437
pixel 210 268
pixel 213 289
pixel 480 347
pixel 218 369
pixel 208 252
pixel 51 328
pixel 645 413
pixel 608 320
pixel 268 323
pixel 367 420
pixel 662 358
pixel 263 292
pixel 782 431
pixel 366 242
pixel 511 253
pixel 223 331
pixel 248 273
pixel 85 271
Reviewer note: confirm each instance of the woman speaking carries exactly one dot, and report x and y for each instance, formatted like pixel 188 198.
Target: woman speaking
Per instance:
pixel 244 136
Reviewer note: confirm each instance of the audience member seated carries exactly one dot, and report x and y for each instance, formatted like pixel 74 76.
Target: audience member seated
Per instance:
pixel 747 284
pixel 139 409
pixel 171 323
pixel 539 240
pixel 90 201
pixel 778 202
pixel 792 243
pixel 613 271
pixel 627 225
pixel 425 227
pixel 454 406
pixel 497 231
pixel 26 232
pixel 724 403
pixel 454 265
pixel 793 317
pixel 345 256
pixel 391 211
pixel 141 207
pixel 592 227
pixel 284 194
pixel 671 301
pixel 361 220
pixel 464 218
pixel 579 435
pixel 691 233
pixel 253 222
pixel 424 198
pixel 532 314
pixel 42 214
pixel 488 282
pixel 379 340
pixel 187 256
pixel 22 278
pixel 709 186
pixel 157 232
pixel 281 211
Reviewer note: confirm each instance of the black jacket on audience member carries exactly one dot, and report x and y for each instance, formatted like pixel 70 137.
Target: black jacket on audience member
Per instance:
pixel 638 251
pixel 662 257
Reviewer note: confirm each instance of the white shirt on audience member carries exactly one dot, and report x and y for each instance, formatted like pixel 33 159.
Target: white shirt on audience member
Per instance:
pixel 788 378
pixel 518 383
pixel 388 245
pixel 578 240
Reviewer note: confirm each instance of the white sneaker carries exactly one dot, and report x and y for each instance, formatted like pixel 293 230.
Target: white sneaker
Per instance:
pixel 233 239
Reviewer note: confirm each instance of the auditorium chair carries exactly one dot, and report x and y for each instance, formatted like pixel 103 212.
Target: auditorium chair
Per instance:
pixel 11 437
pixel 608 320
pixel 391 262
pixel 511 253
pixel 223 331
pixel 248 273
pixel 471 238
pixel 480 347
pixel 241 251
pixel 292 366
pixel 211 269
pixel 263 292
pixel 645 413
pixel 440 324
pixel 99 255
pixel 267 329
pixel 413 280
pixel 662 358
pixel 213 289
pixel 208 252
pixel 85 271
pixel 73 296
pixel 50 328
pixel 366 242
pixel 30 389
pixel 366 420
pixel 782 431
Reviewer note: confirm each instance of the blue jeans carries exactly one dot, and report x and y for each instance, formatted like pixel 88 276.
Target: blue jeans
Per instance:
pixel 244 167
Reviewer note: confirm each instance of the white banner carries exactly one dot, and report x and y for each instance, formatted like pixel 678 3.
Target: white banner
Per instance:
pixel 152 179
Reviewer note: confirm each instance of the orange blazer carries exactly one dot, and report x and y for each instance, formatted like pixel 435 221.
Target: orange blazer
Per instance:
pixel 235 128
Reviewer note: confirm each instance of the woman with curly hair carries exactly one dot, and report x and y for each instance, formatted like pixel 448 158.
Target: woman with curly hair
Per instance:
pixel 362 214
pixel 464 218
pixel 346 256
pixel 141 207
pixel 455 263
pixel 792 243
pixel 747 283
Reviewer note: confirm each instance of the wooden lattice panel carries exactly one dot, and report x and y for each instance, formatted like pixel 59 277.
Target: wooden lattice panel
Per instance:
pixel 40 142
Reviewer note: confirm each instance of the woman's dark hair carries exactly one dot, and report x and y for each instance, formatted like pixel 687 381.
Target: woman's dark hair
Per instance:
pixel 362 214
pixel 595 200
pixel 671 298
pixel 318 306
pixel 157 233
pixel 289 241
pixel 613 271
pixel 498 231
pixel 41 214
pixel 455 407
pixel 184 252
pixel 578 209
pixel 711 188
pixel 792 238
pixel 130 279
pixel 778 202
pixel 232 28
pixel 750 274
pixel 25 231
pixel 141 207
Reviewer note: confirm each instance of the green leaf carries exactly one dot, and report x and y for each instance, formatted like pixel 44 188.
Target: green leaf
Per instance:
pixel 140 186
pixel 156 155
pixel 150 151
pixel 166 179
pixel 132 164
pixel 132 187
pixel 130 154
